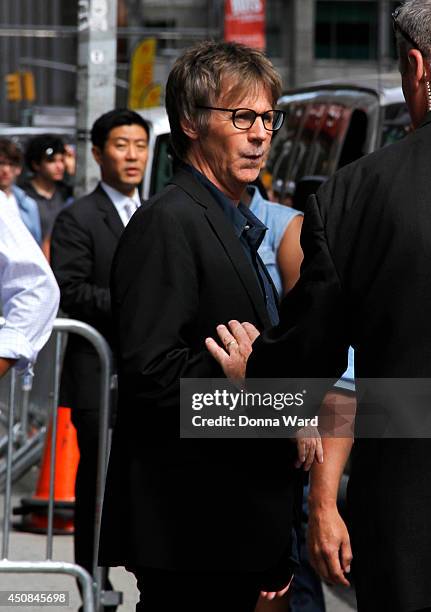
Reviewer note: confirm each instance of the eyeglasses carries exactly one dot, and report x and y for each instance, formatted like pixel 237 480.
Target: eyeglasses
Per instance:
pixel 398 28
pixel 244 118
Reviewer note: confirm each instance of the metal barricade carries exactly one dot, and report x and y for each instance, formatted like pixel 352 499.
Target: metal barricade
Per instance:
pixel 92 594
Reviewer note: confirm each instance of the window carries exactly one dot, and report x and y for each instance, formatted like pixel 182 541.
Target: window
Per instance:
pixel 346 30
pixel 309 143
pixel 274 27
pixel 354 143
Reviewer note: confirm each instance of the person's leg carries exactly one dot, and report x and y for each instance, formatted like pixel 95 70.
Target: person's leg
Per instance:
pixel 86 423
pixel 307 592
pixel 162 591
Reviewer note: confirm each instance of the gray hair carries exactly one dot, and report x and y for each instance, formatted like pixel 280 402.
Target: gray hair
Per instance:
pixel 200 76
pixel 414 18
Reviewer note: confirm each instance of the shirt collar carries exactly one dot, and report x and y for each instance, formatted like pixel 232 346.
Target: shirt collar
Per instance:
pixel 255 228
pixel 242 219
pixel 118 199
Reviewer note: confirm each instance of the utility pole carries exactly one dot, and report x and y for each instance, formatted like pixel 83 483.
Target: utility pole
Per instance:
pixel 383 35
pixel 97 62
pixel 301 33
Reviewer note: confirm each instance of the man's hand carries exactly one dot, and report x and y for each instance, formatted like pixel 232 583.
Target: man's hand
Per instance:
pixel 237 342
pixel 310 448
pixel 329 544
pixel 270 595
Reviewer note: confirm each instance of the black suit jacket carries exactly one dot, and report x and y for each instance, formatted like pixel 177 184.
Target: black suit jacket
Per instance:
pixel 366 281
pixel 83 243
pixel 193 503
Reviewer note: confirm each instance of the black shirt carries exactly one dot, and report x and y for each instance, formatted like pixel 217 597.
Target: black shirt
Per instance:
pixel 48 207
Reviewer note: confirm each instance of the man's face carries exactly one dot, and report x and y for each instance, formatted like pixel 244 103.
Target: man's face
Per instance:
pixel 124 157
pixel 8 173
pixel 51 168
pixel 229 157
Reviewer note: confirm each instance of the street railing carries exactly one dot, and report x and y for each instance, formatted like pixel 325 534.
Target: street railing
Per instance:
pixel 93 596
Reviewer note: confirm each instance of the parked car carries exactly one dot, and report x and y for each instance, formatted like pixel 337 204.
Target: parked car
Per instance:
pixel 329 125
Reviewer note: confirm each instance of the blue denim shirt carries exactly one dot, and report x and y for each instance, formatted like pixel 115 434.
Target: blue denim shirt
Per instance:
pixel 29 212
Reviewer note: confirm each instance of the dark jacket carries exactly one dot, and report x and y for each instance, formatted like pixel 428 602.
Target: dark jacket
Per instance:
pixel 186 503
pixel 366 281
pixel 83 243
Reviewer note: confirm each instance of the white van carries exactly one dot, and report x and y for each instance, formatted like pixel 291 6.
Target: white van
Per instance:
pixel 329 125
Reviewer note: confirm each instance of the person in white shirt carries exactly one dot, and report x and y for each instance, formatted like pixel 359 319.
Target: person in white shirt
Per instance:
pixel 83 243
pixel 28 290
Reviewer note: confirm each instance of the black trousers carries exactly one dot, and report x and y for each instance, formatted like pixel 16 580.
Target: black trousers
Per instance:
pixel 168 591
pixel 86 423
pixel 165 591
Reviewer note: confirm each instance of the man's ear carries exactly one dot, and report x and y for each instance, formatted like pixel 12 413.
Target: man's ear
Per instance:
pixel 189 129
pixel 417 66
pixel 97 154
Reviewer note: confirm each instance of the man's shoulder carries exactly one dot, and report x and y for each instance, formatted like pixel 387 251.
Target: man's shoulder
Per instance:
pixel 171 202
pixel 86 206
pixel 364 175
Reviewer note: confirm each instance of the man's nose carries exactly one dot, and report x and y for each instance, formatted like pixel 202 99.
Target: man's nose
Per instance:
pixel 132 152
pixel 258 131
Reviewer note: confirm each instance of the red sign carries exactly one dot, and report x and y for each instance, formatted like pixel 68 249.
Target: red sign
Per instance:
pixel 244 22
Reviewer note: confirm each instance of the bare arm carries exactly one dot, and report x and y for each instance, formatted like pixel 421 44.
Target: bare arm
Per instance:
pixel 328 538
pixel 289 254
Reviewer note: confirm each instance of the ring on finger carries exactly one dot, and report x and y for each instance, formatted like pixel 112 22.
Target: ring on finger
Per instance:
pixel 231 342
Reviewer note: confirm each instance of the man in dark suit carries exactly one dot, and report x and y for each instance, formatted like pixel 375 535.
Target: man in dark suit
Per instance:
pixel 366 280
pixel 203 526
pixel 84 239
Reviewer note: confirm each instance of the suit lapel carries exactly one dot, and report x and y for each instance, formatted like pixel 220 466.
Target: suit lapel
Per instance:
pixel 109 212
pixel 230 241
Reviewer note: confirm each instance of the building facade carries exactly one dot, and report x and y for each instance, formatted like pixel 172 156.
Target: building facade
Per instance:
pixel 307 39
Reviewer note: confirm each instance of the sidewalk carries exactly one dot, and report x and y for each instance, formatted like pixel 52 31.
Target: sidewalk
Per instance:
pixel 32 547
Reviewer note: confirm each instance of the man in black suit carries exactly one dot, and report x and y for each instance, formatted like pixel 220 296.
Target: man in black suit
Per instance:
pixel 203 526
pixel 84 239
pixel 366 280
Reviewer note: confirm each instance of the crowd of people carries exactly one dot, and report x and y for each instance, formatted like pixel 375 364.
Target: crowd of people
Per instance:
pixel 210 525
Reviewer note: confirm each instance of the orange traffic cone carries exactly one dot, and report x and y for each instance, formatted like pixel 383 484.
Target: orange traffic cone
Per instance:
pixel 34 511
